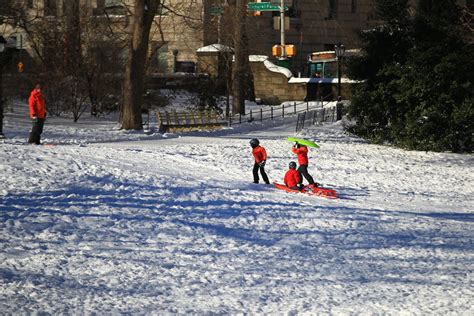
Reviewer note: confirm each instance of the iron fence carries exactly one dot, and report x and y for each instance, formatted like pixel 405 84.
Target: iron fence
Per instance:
pixel 318 116
pixel 274 112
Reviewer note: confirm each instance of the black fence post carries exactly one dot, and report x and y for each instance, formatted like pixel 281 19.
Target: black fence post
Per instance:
pixel 307 106
pixel 240 118
pixel 283 110
pixel 339 109
pixel 294 107
pixel 271 112
pixel 251 119
pixel 261 115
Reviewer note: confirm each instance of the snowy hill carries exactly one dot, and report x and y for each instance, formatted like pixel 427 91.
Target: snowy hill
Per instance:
pixel 115 222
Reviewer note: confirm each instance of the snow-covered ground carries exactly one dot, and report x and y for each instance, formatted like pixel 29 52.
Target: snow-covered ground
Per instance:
pixel 115 222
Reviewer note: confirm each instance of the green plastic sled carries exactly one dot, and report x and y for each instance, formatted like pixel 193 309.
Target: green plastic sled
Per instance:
pixel 305 142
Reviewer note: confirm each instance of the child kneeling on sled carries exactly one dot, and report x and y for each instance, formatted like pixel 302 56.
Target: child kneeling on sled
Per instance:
pixel 292 177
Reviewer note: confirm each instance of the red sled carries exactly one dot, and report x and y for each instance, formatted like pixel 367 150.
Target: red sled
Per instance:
pixel 310 190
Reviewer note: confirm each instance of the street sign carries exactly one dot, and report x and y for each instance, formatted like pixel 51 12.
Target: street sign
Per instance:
pixel 216 11
pixel 263 6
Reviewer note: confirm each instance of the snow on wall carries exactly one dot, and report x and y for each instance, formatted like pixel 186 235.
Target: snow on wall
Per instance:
pixel 270 66
pixel 215 48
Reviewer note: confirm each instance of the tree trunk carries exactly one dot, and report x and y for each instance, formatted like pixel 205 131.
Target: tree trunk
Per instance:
pixel 239 69
pixel 73 60
pixel 144 13
pixel 248 79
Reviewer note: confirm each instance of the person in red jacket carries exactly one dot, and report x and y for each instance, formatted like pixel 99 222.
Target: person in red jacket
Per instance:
pixel 37 114
pixel 260 155
pixel 302 152
pixel 292 177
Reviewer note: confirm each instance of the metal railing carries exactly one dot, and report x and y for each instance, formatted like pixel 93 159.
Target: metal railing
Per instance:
pixel 306 112
pixel 316 116
pixel 274 112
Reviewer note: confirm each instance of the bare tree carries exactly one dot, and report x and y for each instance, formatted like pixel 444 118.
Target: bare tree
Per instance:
pixel 73 54
pixel 143 17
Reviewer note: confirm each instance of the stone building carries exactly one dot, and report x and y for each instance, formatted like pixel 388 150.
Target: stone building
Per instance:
pixel 175 37
pixel 182 27
pixel 314 25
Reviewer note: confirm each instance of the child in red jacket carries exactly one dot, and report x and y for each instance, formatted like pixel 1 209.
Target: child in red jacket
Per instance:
pixel 37 114
pixel 292 177
pixel 260 155
pixel 302 152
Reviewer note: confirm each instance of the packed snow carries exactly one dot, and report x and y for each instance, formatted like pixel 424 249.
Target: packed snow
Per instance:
pixel 99 220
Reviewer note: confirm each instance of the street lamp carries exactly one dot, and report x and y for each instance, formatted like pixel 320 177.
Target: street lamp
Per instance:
pixel 3 46
pixel 340 50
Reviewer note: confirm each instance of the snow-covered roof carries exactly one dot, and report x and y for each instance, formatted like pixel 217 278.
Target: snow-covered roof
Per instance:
pixel 321 80
pixel 270 66
pixel 215 48
pixel 258 58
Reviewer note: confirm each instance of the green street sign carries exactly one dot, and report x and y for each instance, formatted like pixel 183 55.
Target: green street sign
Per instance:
pixel 216 11
pixel 263 6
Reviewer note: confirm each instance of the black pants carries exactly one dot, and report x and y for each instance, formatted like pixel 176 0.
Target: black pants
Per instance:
pixel 36 130
pixel 262 171
pixel 303 171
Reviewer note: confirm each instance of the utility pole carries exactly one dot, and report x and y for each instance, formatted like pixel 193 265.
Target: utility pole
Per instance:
pixel 282 29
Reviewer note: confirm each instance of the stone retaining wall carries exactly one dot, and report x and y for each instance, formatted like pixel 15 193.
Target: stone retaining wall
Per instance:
pixel 273 87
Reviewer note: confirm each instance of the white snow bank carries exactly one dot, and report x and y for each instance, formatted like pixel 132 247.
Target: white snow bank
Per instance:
pixel 109 222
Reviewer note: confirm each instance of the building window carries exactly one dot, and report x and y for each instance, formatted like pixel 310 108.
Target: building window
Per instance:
pixel 470 4
pixel 159 62
pixel 98 8
pixel 328 47
pixel 50 8
pixel 113 3
pixel 163 55
pixel 114 7
pixel 354 6
pixel 332 9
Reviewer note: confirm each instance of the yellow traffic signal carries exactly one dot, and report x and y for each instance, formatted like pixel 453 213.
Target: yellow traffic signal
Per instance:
pixel 277 50
pixel 290 50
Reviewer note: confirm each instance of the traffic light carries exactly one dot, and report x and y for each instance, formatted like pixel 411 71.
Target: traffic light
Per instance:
pixel 277 50
pixel 288 50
